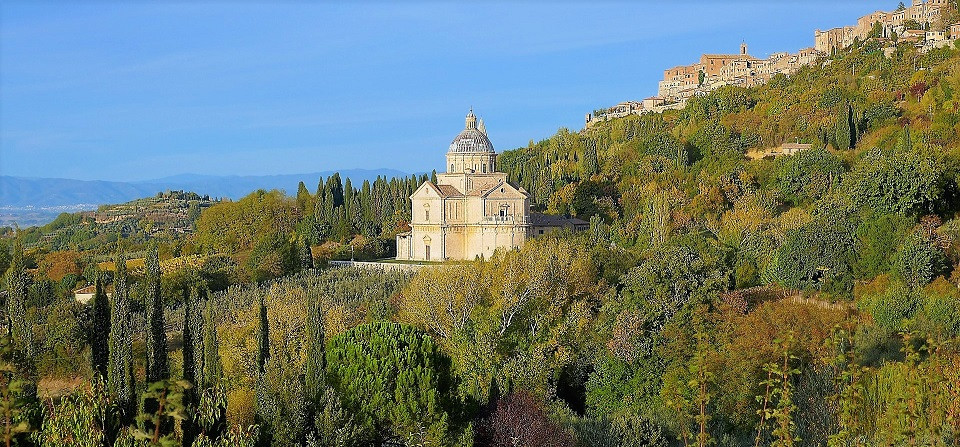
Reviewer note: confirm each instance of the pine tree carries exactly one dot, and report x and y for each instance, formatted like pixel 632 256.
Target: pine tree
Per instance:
pixel 20 330
pixel 157 368
pixel 100 333
pixel 120 368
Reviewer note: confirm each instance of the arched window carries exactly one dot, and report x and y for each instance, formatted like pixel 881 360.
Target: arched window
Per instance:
pixel 451 167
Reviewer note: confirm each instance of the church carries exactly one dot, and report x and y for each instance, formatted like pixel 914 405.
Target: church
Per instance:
pixel 471 211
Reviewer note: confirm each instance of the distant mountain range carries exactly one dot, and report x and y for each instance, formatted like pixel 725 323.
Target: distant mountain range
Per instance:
pixel 49 196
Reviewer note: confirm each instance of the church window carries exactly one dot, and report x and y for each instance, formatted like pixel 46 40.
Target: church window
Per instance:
pixel 426 215
pixel 484 169
pixel 451 167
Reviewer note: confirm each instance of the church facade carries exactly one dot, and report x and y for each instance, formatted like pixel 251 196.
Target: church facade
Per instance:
pixel 471 211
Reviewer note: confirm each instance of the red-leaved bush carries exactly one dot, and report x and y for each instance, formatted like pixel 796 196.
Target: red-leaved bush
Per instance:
pixel 519 420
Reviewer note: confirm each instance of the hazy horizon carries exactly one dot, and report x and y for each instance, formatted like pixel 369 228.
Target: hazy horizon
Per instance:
pixel 127 92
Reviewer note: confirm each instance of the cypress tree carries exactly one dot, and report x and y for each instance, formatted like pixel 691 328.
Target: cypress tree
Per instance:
pixel 306 254
pixel 303 197
pixel 197 305
pixel 212 367
pixel 366 209
pixel 348 194
pixel 315 362
pixel 20 330
pixel 841 136
pixel 590 162
pixel 100 333
pixel 191 357
pixel 335 187
pixel 852 125
pixel 120 368
pixel 263 343
pixel 905 144
pixel 188 336
pixel 157 367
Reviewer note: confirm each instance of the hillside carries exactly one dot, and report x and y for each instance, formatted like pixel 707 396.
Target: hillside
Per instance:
pixel 165 216
pixel 36 201
pixel 716 299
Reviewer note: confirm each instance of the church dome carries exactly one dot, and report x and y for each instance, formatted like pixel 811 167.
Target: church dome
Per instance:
pixel 472 138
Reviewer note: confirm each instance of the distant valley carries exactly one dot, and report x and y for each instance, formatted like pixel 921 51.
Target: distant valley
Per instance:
pixel 29 201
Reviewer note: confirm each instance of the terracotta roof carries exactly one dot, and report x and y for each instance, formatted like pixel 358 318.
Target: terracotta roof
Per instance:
pixel 449 191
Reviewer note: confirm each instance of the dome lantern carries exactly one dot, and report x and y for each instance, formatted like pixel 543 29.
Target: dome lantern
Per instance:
pixel 472 138
pixel 471 151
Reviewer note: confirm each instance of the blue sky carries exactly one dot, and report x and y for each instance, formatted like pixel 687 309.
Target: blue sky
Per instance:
pixel 140 90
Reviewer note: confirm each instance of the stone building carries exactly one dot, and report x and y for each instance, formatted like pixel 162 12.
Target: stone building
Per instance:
pixel 471 211
pixel 925 13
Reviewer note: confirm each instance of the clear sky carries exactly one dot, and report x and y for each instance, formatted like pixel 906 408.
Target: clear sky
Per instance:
pixel 139 90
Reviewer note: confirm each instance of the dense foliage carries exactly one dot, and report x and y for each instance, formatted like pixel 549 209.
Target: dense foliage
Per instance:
pixel 718 298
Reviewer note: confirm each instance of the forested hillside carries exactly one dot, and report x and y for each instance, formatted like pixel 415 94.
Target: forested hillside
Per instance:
pixel 810 299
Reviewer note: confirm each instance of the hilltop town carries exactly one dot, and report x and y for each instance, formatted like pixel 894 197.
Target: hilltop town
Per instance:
pixel 928 24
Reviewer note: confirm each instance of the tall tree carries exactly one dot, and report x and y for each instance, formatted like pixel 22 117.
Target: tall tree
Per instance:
pixel 192 354
pixel 306 254
pixel 100 332
pixel 263 342
pixel 314 361
pixel 304 199
pixel 120 368
pixel 17 289
pixel 212 367
pixel 193 320
pixel 189 374
pixel 157 367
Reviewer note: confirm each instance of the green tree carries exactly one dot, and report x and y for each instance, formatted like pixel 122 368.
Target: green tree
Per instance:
pixel 212 365
pixel 919 260
pixel 817 255
pixel 100 330
pixel 156 367
pixel 120 368
pixel 808 175
pixel 19 325
pixel 314 362
pixel 263 336
pixel 396 381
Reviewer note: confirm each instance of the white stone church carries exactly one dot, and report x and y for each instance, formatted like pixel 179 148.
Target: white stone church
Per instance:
pixel 472 210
